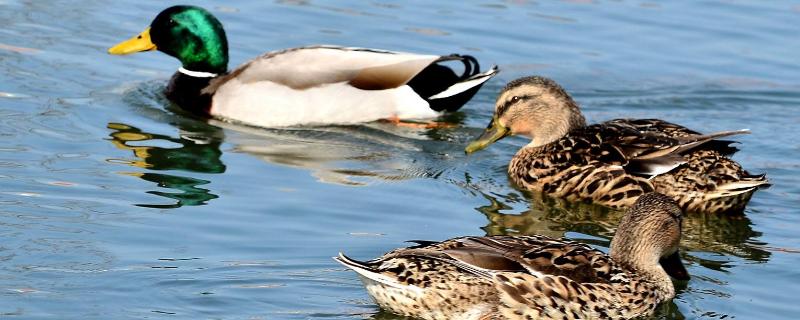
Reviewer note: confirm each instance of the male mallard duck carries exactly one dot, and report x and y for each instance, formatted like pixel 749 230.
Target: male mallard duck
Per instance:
pixel 534 277
pixel 614 162
pixel 308 85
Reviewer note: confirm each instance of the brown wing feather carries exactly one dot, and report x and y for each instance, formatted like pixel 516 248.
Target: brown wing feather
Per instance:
pixel 388 76
pixel 672 130
pixel 461 278
pixel 589 163
pixel 655 126
pixel 538 255
pixel 614 162
pixel 555 297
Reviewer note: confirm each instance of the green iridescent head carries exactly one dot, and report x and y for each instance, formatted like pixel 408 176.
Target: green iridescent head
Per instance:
pixel 188 33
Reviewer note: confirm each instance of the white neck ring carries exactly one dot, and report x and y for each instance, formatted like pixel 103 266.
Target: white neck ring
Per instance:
pixel 197 74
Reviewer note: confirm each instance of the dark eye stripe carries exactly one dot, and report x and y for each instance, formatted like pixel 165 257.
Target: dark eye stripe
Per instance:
pixel 502 109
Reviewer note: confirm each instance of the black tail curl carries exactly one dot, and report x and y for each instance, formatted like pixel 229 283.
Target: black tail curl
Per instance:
pixel 437 78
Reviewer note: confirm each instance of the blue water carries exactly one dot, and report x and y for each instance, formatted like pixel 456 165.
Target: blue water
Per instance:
pixel 116 205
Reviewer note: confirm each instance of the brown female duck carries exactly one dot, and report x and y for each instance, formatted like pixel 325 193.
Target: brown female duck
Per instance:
pixel 535 277
pixel 614 162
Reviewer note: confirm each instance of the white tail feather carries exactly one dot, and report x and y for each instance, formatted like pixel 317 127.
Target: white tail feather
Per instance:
pixel 736 188
pixel 368 274
pixel 465 85
pixel 728 193
pixel 743 184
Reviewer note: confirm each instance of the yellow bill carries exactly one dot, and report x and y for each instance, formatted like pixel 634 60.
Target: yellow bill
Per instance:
pixel 495 131
pixel 136 44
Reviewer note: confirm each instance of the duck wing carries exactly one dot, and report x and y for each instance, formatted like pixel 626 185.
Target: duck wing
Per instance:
pixel 306 67
pixel 537 276
pixel 367 69
pixel 646 147
pixel 535 255
pixel 655 126
pixel 327 85
pixel 672 130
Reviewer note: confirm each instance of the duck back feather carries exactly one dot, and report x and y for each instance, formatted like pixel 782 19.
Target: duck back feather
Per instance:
pixel 327 84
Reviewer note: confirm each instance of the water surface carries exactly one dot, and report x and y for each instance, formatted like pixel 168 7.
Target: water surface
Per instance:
pixel 116 205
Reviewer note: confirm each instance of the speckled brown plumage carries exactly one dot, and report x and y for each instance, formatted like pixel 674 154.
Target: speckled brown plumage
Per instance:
pixel 532 277
pixel 614 162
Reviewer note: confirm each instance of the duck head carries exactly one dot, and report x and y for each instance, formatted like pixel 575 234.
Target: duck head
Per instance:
pixel 535 107
pixel 189 33
pixel 647 239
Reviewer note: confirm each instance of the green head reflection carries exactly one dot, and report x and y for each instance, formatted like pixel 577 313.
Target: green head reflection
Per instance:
pixel 189 152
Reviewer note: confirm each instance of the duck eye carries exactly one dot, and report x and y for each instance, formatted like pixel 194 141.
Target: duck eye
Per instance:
pixel 515 98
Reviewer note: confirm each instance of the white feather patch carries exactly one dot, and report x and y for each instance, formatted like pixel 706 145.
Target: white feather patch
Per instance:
pixel 727 193
pixel 376 277
pixel 658 170
pixel 269 104
pixel 741 185
pixel 197 74
pixel 460 87
pixel 314 66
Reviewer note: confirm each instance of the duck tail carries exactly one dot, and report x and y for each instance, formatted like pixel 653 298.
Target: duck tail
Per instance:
pixel 748 183
pixel 454 91
pixel 443 88
pixel 466 84
pixel 351 263
pixel 456 95
pixel 367 273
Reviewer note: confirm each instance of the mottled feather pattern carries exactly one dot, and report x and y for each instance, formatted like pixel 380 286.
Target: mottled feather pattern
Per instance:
pixel 587 164
pixel 555 297
pixel 701 183
pixel 446 291
pixel 541 278
pixel 656 126
pixel 598 163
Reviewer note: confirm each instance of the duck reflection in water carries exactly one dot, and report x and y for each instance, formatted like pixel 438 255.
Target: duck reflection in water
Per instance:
pixel 346 155
pixel 192 153
pixel 722 234
pixel 353 155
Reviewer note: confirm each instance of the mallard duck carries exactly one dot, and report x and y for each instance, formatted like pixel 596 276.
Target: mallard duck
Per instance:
pixel 534 277
pixel 308 85
pixel 614 162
